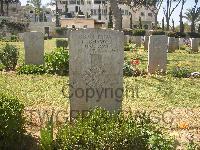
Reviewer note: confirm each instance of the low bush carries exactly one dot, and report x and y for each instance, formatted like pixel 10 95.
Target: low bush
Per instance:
pixel 127 70
pixel 128 32
pixel 104 131
pixel 157 32
pixel 171 34
pixel 180 35
pixel 11 122
pixel 193 35
pixel 9 55
pixel 129 47
pixel 14 38
pixel 181 72
pixel 31 69
pixel 61 30
pixel 57 62
pixel 61 43
pixel 139 32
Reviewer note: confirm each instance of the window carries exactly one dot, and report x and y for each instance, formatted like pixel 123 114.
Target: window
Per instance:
pixel 150 14
pixel 72 2
pixel 142 14
pixel 85 26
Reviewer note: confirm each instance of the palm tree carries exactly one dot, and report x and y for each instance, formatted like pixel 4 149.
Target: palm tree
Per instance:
pixel 193 15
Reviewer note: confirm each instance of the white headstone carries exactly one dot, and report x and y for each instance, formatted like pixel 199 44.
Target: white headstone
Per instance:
pixel 34 48
pixel 157 54
pixel 96 70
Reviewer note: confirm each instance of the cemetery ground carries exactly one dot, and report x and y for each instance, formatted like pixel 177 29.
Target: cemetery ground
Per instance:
pixel 172 102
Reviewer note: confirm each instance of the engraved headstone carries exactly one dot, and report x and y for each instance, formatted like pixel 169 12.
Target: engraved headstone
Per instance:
pixel 181 42
pixel 146 42
pixel 171 44
pixel 195 44
pixel 157 54
pixel 34 48
pixel 95 70
pixel 136 40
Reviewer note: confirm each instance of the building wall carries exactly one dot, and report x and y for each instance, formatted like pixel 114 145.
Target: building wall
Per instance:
pixel 40 26
pixel 77 22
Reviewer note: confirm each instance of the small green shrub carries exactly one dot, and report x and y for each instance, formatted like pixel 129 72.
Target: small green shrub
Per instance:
pixel 31 69
pixel 127 70
pixel 1 67
pixel 180 72
pixel 9 55
pixel 171 34
pixel 57 62
pixel 128 32
pixel 139 32
pixel 183 47
pixel 193 35
pixel 61 43
pixel 180 35
pixel 61 30
pixel 11 122
pixel 129 47
pixel 104 131
pixel 158 32
pixel 14 38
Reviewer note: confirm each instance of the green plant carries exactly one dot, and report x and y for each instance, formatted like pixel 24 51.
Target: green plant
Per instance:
pixel 61 43
pixel 193 35
pixel 9 55
pixel 2 67
pixel 46 135
pixel 11 122
pixel 127 70
pixel 180 72
pixel 102 130
pixel 171 34
pixel 14 38
pixel 61 30
pixel 158 32
pixel 139 32
pixel 180 35
pixel 192 145
pixel 31 69
pixel 129 47
pixel 57 62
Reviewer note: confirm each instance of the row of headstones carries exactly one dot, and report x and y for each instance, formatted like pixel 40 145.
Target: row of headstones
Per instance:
pixel 96 65
pixel 157 46
pixel 173 43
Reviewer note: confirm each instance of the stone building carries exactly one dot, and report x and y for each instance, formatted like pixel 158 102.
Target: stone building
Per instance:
pixel 99 11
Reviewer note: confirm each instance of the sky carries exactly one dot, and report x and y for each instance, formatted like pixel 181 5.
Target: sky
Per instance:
pixel 175 16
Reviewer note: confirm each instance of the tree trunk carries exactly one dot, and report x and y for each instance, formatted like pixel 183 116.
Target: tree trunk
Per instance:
pixel 156 21
pixel 2 11
pixel 116 15
pixel 167 20
pixel 7 5
pixel 192 26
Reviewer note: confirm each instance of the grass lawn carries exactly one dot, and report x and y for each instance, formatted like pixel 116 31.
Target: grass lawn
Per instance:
pixel 145 93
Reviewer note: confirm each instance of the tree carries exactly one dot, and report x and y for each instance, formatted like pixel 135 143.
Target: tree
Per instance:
pixel 168 11
pixel 181 16
pixel 117 17
pixel 154 6
pixel 193 15
pixel 7 3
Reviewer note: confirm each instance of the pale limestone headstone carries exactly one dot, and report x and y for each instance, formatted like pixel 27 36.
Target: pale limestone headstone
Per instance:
pixel 176 43
pixel 194 44
pixel 136 40
pixel 126 39
pixel 181 42
pixel 34 48
pixel 146 42
pixel 96 70
pixel 171 44
pixel 157 54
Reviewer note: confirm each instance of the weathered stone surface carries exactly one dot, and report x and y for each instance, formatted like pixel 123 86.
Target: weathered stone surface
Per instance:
pixel 34 48
pixel 136 40
pixel 171 44
pixel 126 39
pixel 146 42
pixel 181 42
pixel 157 54
pixel 96 70
pixel 176 43
pixel 194 44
